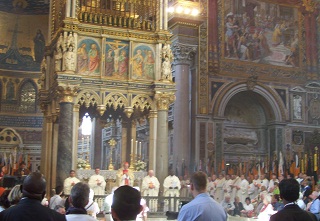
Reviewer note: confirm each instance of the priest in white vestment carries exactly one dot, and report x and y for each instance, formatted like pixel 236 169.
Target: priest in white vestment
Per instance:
pixel 97 183
pixel 150 185
pixel 171 188
pixel 219 194
pixel 125 176
pixel 70 182
pixel 242 192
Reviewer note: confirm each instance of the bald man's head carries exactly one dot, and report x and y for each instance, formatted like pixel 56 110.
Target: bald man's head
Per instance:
pixel 34 186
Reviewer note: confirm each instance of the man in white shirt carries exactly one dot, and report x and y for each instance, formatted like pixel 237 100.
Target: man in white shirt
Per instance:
pixel 227 186
pixel 97 183
pixel 70 182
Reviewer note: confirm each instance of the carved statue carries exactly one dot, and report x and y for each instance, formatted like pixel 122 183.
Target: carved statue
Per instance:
pixel 166 70
pixel 69 59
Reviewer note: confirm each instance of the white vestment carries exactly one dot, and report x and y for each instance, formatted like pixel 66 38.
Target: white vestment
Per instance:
pixel 243 191
pixel 219 194
pixel 147 186
pixel 174 183
pixel 68 184
pixel 98 184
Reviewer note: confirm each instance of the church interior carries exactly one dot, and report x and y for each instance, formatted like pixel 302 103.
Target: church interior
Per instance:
pixel 182 85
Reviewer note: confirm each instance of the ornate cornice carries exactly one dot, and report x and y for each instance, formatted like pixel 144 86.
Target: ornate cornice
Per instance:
pixel 67 93
pixel 164 99
pixel 183 53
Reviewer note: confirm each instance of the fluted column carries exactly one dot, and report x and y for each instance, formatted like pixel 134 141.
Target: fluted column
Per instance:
pixel 65 134
pixel 183 58
pixel 152 139
pixel 163 99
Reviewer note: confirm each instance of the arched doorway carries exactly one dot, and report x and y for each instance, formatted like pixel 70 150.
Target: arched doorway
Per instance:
pixel 245 134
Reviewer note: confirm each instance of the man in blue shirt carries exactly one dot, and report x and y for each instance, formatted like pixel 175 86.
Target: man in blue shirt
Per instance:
pixel 202 207
pixel 315 205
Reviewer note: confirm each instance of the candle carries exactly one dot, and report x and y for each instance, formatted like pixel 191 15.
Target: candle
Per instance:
pixel 131 146
pixel 136 147
pixel 140 148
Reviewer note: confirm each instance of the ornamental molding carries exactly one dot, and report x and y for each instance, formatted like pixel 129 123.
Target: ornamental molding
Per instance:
pixel 184 53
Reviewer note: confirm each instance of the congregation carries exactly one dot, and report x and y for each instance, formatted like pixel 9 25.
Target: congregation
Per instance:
pixel 238 196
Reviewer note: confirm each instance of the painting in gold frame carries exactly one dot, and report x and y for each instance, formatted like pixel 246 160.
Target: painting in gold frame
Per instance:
pixel 261 32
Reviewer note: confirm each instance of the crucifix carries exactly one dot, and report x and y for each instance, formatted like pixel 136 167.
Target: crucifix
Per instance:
pixel 112 144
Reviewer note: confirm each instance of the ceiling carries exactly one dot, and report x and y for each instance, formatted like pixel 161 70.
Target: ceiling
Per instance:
pixel 25 7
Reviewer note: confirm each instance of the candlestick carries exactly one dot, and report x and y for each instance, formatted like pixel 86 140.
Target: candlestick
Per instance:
pixel 315 161
pixel 136 147
pixel 140 149
pixel 131 146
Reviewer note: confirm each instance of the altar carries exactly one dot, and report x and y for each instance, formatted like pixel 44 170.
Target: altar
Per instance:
pixel 110 177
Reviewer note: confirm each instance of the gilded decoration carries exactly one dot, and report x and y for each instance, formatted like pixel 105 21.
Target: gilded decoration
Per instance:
pixel 263 34
pixel 88 98
pixel 116 100
pixel 67 93
pixel 310 5
pixel 143 102
pixel 164 99
pixel 203 81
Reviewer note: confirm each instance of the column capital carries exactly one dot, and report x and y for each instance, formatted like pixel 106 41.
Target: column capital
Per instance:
pixel 164 99
pixel 184 53
pixel 67 93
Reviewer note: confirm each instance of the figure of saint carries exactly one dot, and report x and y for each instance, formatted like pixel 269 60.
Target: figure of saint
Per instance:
pixel 39 45
pixel 297 112
pixel 138 63
pixel 82 58
pixel 166 69
pixel 149 65
pixel 276 36
pixel 230 39
pixel 58 58
pixel 94 59
pixel 123 63
pixel 109 63
pixel 68 59
pixel 125 176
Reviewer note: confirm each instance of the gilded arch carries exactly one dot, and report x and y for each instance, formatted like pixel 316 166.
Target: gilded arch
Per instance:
pixel 88 97
pixel 116 100
pixel 142 102
pixel 222 98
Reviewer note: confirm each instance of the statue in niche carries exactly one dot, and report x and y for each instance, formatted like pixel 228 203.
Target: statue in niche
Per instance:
pixel 69 58
pixel 166 70
pixel 167 58
pixel 297 107
pixel 58 53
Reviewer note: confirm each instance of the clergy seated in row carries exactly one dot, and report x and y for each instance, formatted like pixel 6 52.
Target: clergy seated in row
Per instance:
pixel 97 183
pixel 70 182
pixel 125 176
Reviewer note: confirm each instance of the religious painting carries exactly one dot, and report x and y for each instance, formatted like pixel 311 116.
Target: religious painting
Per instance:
pixel 143 62
pixel 116 59
pixel 22 40
pixel 88 57
pixel 261 32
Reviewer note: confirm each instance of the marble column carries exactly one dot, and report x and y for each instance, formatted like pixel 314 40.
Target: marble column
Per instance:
pixel 163 99
pixel 75 135
pixel 152 139
pixel 183 59
pixel 65 133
